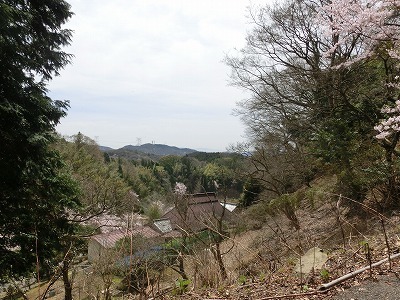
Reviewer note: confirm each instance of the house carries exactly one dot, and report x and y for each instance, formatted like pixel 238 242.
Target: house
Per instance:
pixel 197 212
pixel 101 244
pixel 193 213
pixel 164 226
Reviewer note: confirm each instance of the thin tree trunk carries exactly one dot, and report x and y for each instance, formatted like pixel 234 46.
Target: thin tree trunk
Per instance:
pixel 218 239
pixel 181 266
pixel 67 281
pixel 218 257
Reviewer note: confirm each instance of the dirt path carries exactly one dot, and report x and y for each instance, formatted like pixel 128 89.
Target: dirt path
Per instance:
pixel 384 287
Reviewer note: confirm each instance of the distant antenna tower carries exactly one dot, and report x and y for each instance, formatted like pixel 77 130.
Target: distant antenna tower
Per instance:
pixel 138 141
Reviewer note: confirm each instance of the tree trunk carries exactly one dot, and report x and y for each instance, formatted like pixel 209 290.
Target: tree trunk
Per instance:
pixel 218 239
pixel 66 280
pixel 181 266
pixel 107 293
pixel 218 258
pixel 390 196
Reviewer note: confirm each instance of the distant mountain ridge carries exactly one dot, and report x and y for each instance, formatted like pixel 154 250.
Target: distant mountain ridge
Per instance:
pixel 152 149
pixel 105 148
pixel 159 149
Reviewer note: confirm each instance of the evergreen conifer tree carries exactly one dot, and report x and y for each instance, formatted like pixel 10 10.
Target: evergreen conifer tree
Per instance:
pixel 35 194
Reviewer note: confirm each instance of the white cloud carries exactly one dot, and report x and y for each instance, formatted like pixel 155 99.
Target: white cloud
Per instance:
pixel 153 69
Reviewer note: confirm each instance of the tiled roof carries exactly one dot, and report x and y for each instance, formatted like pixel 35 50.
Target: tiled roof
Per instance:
pixel 202 198
pixel 145 231
pixel 172 234
pixel 109 239
pixel 202 211
pixel 164 225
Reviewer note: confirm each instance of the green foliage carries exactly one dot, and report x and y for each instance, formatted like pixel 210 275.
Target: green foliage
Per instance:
pixel 13 293
pixel 35 192
pixel 101 187
pixel 303 115
pixel 325 275
pixel 148 178
pixel 206 157
pixel 182 169
pixel 189 244
pixel 287 204
pixel 251 191
pixel 145 181
pixel 256 215
pixel 181 286
pixel 320 191
pixel 344 144
pixel 153 212
pixel 223 175
pixel 107 158
pixel 242 279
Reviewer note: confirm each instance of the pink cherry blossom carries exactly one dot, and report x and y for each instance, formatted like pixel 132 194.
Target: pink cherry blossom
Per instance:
pixel 180 188
pixel 367 24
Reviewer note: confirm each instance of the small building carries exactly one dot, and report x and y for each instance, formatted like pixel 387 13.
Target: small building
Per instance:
pixel 165 228
pixel 163 225
pixel 197 212
pixel 100 244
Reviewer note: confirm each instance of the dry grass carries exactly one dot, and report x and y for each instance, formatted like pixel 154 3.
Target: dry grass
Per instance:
pixel 260 261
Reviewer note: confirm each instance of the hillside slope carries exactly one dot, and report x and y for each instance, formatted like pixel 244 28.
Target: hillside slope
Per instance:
pixel 261 260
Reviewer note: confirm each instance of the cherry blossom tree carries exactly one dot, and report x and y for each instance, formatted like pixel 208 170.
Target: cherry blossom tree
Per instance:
pixel 390 125
pixel 180 189
pixel 368 30
pixel 371 26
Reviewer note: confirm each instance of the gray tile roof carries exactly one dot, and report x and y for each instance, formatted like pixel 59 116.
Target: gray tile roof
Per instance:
pixel 109 239
pixel 164 225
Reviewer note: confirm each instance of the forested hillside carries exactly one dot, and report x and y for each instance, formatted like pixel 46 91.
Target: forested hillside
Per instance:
pixel 159 149
pixel 318 96
pixel 320 166
pixel 153 181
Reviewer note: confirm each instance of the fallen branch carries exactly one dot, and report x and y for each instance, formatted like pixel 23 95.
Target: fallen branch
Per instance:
pixel 354 273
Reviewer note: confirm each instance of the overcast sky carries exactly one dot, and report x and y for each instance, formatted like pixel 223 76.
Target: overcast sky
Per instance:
pixel 152 71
